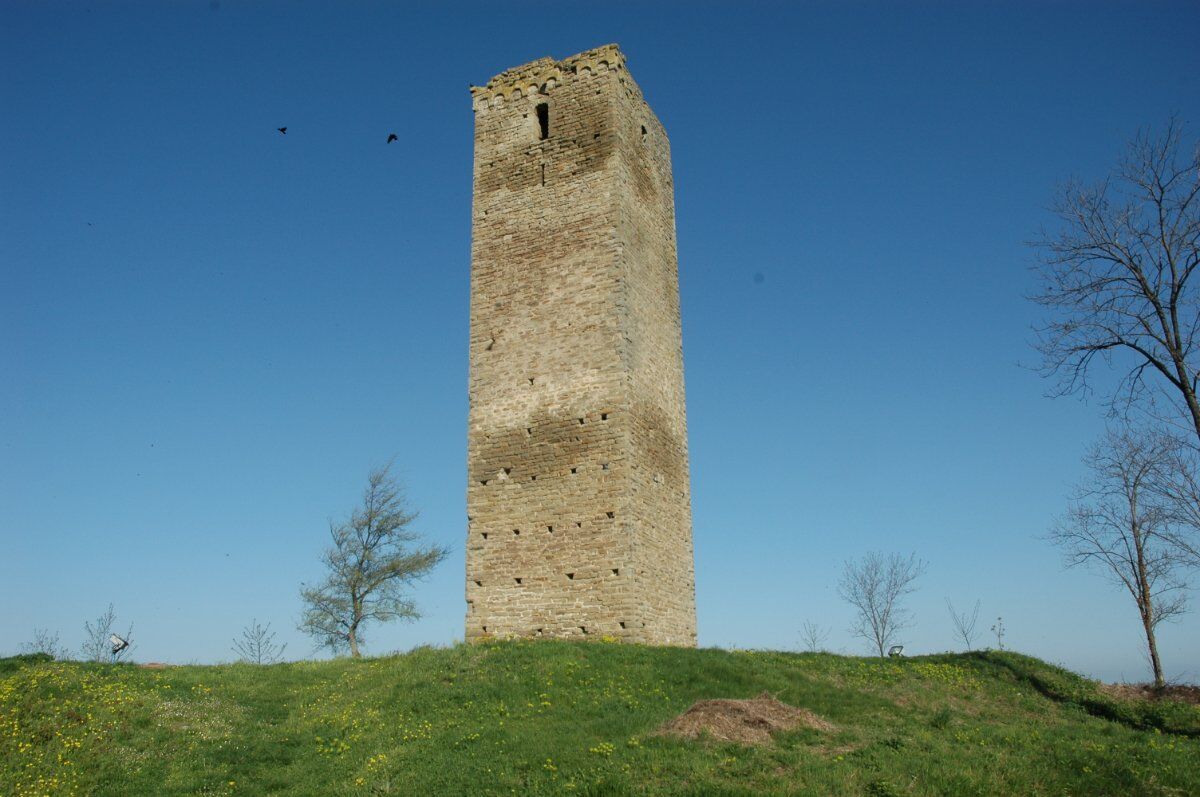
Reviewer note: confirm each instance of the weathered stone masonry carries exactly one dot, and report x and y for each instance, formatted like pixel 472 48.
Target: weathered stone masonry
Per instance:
pixel 578 503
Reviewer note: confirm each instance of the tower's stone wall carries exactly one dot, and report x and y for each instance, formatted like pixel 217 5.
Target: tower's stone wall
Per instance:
pixel 578 504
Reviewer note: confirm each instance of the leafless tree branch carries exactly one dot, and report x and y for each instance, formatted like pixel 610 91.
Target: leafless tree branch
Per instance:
pixel 1116 279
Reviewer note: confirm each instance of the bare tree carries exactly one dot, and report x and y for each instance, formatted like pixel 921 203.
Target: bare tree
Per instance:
pixel 370 563
pixel 875 586
pixel 97 645
pixel 1118 524
pixel 1116 279
pixel 257 644
pixel 45 642
pixel 998 629
pixel 813 636
pixel 964 624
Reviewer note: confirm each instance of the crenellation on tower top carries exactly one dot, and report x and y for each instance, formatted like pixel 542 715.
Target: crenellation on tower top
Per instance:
pixel 542 75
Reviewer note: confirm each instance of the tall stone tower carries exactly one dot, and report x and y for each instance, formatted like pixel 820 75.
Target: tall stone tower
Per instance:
pixel 578 504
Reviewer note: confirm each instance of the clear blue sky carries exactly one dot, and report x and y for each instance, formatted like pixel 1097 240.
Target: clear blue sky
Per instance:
pixel 209 332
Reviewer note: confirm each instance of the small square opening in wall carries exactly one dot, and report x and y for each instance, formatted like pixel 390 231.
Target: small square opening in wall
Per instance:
pixel 531 380
pixel 583 630
pixel 507 471
pixel 603 466
pixel 538 632
pixel 483 482
pixel 479 583
pixel 622 623
pixel 528 431
pixel 616 571
pixel 578 524
pixel 570 576
pixel 516 532
pixel 485 535
pixel 574 470
pixel 485 629
pixel 550 529
pixel 611 515
pixel 604 416
pixel 581 421
pixel 517 580
pixel 533 478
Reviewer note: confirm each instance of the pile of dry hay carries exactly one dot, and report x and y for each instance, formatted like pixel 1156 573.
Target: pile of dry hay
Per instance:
pixel 743 721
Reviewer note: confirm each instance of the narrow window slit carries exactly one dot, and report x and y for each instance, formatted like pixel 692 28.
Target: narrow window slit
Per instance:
pixel 543 174
pixel 543 115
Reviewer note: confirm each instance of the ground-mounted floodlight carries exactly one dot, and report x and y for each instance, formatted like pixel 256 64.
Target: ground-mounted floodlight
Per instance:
pixel 895 651
pixel 118 644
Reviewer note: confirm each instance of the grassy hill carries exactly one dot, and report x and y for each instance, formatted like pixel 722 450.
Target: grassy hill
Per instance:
pixel 564 718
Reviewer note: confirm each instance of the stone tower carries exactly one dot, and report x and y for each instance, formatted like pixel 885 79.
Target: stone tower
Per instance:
pixel 578 504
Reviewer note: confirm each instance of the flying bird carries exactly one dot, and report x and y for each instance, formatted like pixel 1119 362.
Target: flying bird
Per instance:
pixel 282 130
pixel 392 137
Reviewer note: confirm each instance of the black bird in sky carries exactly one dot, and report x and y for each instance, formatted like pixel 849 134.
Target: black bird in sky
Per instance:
pixel 392 137
pixel 282 130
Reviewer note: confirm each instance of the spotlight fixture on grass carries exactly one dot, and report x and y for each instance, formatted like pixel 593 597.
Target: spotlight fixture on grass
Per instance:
pixel 895 651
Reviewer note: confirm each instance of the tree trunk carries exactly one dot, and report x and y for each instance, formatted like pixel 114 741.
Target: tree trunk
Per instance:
pixel 352 636
pixel 1185 387
pixel 1152 645
pixel 1194 407
pixel 1145 601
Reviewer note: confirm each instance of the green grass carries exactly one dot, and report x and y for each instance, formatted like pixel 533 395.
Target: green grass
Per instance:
pixel 566 718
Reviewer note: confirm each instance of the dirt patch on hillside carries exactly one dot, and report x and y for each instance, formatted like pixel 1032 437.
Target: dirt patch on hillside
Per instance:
pixel 742 721
pixel 1179 693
